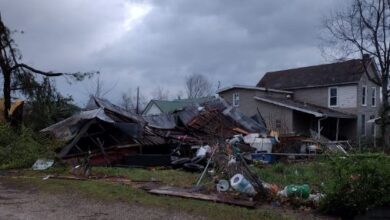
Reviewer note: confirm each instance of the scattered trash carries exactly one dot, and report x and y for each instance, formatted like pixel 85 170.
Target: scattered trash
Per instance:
pixel 273 188
pixel 180 162
pixel 203 150
pixel 222 186
pixel 179 192
pixel 42 164
pixel 262 145
pixel 263 157
pixel 193 167
pixel 46 177
pixel 240 184
pixel 113 134
pixel 316 197
pixel 299 191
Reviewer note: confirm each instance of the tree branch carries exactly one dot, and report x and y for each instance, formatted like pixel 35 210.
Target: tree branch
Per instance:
pixel 22 65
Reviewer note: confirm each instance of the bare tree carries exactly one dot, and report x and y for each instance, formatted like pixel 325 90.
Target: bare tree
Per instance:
pixel 364 28
pixel 160 93
pixel 197 86
pixel 131 101
pixel 100 88
pixel 18 76
pixel 127 102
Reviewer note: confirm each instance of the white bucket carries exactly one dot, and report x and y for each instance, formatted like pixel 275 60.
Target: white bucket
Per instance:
pixel 223 186
pixel 240 184
pixel 262 144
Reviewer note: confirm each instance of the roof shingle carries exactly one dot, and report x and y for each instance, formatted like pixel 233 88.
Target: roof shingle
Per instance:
pixel 313 76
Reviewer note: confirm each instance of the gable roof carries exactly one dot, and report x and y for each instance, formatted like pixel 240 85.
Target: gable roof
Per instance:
pixel 340 73
pixel 317 111
pixel 252 88
pixel 170 106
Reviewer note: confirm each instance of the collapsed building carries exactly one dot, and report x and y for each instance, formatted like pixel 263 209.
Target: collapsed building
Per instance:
pixel 109 135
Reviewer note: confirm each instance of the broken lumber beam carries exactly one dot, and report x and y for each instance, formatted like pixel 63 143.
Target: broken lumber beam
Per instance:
pixel 200 196
pixel 64 177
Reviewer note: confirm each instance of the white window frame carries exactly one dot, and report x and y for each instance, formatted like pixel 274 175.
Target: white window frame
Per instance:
pixel 337 96
pixel 364 99
pixel 236 99
pixel 373 96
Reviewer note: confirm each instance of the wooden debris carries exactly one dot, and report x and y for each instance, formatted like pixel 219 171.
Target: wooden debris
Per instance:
pixel 200 196
pixel 64 177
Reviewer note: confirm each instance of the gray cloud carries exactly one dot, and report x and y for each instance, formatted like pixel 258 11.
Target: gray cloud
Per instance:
pixel 227 40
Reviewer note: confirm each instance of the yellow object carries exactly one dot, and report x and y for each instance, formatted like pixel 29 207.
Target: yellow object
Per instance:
pixel 14 105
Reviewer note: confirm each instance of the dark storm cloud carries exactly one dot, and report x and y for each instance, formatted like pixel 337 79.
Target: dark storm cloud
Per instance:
pixel 231 41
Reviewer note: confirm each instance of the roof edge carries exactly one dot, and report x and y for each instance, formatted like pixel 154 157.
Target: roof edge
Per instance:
pixel 316 114
pixel 325 85
pixel 253 88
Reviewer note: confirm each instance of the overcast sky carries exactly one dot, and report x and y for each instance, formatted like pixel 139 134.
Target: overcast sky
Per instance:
pixel 158 43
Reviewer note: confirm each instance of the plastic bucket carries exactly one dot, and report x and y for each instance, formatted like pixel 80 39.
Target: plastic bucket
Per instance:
pixel 240 184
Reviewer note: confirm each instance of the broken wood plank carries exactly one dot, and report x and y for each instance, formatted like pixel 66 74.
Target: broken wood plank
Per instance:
pixel 65 177
pixel 200 196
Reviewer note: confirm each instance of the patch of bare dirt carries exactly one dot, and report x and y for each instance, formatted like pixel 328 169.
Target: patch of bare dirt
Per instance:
pixel 29 203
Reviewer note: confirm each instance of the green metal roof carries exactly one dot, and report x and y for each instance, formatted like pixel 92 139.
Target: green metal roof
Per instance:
pixel 170 106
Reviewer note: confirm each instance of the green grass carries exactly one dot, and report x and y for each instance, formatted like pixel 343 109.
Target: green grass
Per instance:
pixel 314 174
pixel 167 176
pixel 114 192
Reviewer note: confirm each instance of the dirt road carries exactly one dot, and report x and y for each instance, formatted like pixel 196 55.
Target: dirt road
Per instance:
pixel 30 203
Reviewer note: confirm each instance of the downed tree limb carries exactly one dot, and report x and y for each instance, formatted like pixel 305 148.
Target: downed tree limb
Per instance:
pixel 200 196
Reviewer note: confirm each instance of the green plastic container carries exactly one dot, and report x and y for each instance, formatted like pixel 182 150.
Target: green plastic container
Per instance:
pixel 301 191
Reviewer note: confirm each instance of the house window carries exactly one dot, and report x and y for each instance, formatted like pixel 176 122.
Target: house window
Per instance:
pixel 364 95
pixel 363 125
pixel 373 97
pixel 278 124
pixel 372 126
pixel 236 99
pixel 333 97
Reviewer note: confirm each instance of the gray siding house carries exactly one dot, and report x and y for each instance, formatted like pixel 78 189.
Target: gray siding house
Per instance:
pixel 335 99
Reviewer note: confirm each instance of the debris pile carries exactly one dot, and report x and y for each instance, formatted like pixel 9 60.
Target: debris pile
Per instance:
pixel 213 139
pixel 105 134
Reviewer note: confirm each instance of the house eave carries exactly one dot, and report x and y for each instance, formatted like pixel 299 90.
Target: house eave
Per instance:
pixel 253 88
pixel 316 114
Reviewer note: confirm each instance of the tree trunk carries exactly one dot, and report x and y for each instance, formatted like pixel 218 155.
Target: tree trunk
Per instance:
pixel 384 114
pixel 7 95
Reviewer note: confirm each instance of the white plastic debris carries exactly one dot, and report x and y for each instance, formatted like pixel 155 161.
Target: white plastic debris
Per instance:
pixel 250 138
pixel 261 144
pixel 242 185
pixel 316 197
pixel 222 186
pixel 42 164
pixel 232 161
pixel 47 177
pixel 283 193
pixel 200 108
pixel 202 151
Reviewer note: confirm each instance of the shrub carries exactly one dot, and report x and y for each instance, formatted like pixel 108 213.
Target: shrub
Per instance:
pixel 21 148
pixel 356 184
